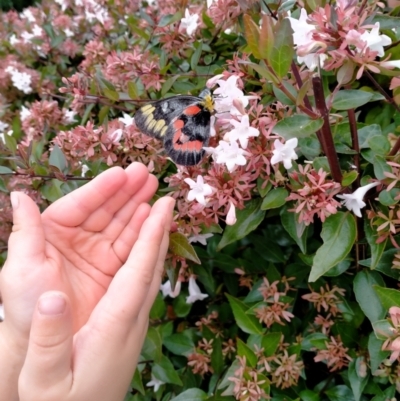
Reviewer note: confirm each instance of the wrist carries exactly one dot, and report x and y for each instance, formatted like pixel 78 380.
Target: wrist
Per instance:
pixel 13 351
pixel 13 343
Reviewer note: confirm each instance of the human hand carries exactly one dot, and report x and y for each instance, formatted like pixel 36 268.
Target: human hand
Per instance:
pixel 98 361
pixel 76 246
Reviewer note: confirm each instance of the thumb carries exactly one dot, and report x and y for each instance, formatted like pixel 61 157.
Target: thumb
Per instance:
pixel 47 367
pixel 26 241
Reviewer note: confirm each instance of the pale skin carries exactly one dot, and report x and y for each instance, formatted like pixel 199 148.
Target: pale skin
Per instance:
pixel 78 286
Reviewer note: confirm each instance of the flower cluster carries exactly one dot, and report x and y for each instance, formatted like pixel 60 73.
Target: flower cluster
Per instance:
pixel 300 151
pixel 313 194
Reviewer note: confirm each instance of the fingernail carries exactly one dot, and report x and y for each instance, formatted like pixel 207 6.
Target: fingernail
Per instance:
pixel 51 305
pixel 14 200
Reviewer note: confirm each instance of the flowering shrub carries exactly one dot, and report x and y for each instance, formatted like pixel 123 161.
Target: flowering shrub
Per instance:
pixel 284 257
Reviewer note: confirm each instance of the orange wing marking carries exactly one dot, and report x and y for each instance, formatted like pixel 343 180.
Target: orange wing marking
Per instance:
pixel 192 110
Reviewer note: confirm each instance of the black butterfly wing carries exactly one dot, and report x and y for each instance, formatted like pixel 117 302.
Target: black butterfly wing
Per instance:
pixel 187 134
pixel 154 119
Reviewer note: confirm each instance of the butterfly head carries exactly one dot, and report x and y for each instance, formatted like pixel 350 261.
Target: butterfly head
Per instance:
pixel 207 100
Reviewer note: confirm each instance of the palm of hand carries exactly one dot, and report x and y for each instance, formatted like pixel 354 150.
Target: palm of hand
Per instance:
pixel 77 245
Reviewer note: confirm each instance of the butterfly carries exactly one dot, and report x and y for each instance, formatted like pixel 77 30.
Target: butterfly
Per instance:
pixel 182 123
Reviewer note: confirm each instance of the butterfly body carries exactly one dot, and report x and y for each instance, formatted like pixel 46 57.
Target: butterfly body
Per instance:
pixel 182 123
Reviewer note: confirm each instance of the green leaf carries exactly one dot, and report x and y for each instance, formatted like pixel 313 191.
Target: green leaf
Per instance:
pixel 137 382
pixel 309 395
pixel 263 188
pixel 52 190
pixel 180 246
pixel 339 233
pixel 169 19
pixel 158 308
pixel 244 350
pixel 311 148
pixel 180 307
pixel 298 231
pixel 167 85
pixel 314 340
pixel 133 90
pixel 385 264
pixel 217 358
pixel 297 126
pixel 375 352
pixel 283 49
pixel 111 94
pixel 152 347
pixel 357 382
pixel 349 177
pixel 388 198
pixel 380 167
pixel 196 55
pixel 266 37
pixel 366 295
pixel 340 393
pixel 5 170
pixel 192 394
pixel 366 133
pixel 164 371
pixel 275 198
pixel 103 114
pixel 376 249
pixel 248 219
pixel 262 71
pixel 248 323
pixel 386 21
pixel 11 142
pixel 379 144
pixel 270 342
pixel 383 329
pixel 388 296
pixel 179 344
pixel 350 99
pixel 58 159
pixel 252 35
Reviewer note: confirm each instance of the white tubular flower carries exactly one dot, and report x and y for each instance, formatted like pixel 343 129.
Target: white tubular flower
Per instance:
pixel 198 190
pixel 194 292
pixel 116 136
pixel 127 120
pixel 375 41
pixel 154 382
pixel 202 238
pixel 354 202
pixel 242 131
pixel 189 22
pixel 166 289
pixel 25 113
pixel 284 152
pixel 230 154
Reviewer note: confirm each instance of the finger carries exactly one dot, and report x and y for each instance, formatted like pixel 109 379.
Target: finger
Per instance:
pixel 154 288
pixel 129 288
pixel 114 215
pixel 123 244
pixel 26 242
pixel 139 187
pixel 87 199
pixel 48 361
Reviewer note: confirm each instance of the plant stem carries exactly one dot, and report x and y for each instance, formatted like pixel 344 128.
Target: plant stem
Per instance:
pixel 68 177
pixel 327 139
pixel 356 146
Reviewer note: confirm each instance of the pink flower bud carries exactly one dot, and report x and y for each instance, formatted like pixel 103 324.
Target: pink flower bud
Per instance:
pixel 238 104
pixel 231 216
pixel 212 81
pixel 150 166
